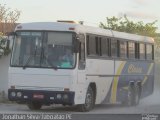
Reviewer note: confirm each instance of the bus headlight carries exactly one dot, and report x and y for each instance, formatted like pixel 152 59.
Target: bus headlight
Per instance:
pixel 59 96
pixel 13 94
pixel 65 96
pixel 19 94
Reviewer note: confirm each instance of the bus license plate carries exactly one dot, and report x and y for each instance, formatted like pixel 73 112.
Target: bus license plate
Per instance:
pixel 38 96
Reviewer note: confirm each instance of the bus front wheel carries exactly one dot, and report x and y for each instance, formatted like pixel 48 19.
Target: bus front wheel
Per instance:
pixel 34 105
pixel 89 101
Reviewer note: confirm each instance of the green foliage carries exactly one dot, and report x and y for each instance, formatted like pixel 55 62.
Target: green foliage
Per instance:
pixel 123 24
pixel 7 16
pixel 4 47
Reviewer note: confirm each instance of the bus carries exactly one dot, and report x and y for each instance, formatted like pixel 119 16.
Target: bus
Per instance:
pixel 104 66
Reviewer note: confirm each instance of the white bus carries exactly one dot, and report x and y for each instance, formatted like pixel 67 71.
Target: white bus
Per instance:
pixel 103 66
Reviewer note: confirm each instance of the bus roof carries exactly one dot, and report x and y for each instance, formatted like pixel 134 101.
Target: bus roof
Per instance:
pixel 60 26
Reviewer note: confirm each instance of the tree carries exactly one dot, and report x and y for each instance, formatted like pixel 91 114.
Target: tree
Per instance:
pixel 8 19
pixel 123 24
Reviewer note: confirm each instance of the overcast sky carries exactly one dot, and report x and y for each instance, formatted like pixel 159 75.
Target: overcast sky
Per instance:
pixel 90 11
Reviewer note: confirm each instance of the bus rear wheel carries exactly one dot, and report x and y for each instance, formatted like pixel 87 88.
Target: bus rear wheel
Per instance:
pixel 34 105
pixel 133 96
pixel 89 101
pixel 137 95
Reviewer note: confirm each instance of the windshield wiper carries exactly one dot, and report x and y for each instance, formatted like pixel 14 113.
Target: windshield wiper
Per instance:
pixel 52 65
pixel 28 61
pixel 30 57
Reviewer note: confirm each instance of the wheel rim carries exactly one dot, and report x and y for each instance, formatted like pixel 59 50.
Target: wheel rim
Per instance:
pixel 88 100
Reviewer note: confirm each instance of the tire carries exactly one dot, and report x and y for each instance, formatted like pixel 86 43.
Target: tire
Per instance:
pixel 136 95
pixel 130 96
pixel 133 96
pixel 89 101
pixel 34 105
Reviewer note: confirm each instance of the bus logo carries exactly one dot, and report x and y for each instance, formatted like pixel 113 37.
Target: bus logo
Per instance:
pixel 134 69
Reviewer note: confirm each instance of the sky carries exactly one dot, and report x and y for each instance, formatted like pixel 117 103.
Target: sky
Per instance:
pixel 92 12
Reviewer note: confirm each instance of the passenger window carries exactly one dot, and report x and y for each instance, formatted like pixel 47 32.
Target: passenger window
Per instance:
pixel 105 46
pixel 82 52
pixel 91 45
pixel 142 51
pixel 98 46
pixel 149 50
pixel 123 49
pixel 131 50
pixel 114 48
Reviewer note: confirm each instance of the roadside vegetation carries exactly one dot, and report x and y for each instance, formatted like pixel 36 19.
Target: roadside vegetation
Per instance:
pixel 8 19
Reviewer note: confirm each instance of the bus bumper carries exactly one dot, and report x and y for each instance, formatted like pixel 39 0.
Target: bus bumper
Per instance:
pixel 45 97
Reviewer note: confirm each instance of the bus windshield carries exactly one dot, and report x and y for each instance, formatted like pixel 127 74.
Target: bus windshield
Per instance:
pixel 43 49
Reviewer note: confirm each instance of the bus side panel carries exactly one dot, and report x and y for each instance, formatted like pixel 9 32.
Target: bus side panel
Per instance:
pixel 147 87
pixel 102 86
pixel 138 71
pixel 126 71
pixel 99 67
pixel 101 73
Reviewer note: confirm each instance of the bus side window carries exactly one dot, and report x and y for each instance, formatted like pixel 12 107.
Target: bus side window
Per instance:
pixel 114 47
pixel 149 52
pixel 98 46
pixel 123 49
pixel 91 45
pixel 142 51
pixel 82 52
pixel 131 50
pixel 105 46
